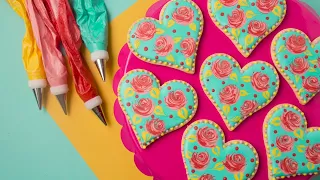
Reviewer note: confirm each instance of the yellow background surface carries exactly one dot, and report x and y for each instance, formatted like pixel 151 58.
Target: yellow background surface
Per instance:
pixel 101 147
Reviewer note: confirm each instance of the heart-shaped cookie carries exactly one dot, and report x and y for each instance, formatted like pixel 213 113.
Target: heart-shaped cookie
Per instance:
pixel 247 22
pixel 206 155
pixel 238 93
pixel 173 40
pixel 154 111
pixel 298 60
pixel 292 149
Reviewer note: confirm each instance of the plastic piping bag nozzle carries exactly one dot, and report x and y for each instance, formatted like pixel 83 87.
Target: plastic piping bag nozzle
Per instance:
pixel 62 101
pixel 38 95
pixel 98 111
pixel 100 63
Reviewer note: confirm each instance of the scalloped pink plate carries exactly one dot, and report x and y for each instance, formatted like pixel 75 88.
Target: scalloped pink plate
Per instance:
pixel 163 159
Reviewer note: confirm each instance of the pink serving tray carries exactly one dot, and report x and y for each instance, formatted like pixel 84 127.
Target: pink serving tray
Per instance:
pixel 163 159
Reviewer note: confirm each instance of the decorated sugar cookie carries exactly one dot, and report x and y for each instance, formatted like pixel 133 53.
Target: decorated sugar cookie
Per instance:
pixel 238 93
pixel 298 60
pixel 171 41
pixel 207 157
pixel 247 22
pixel 291 147
pixel 153 110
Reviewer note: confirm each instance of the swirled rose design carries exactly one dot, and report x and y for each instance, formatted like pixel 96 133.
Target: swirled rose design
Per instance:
pixel 313 154
pixel 311 84
pixel 142 84
pixel 200 160
pixel 237 18
pixel 285 143
pixel 221 69
pixel 260 82
pixel 296 44
pixel 290 121
pixel 257 28
pixel 207 137
pixel 164 45
pixel 288 166
pixel 299 66
pixel 155 127
pixel 248 107
pixel 183 15
pixel 145 31
pixel 235 163
pixel 176 100
pixel 188 47
pixel 144 107
pixel 266 6
pixel 229 95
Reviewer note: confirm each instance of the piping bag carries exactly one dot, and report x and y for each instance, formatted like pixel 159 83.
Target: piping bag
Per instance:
pixel 31 54
pixel 48 41
pixel 92 19
pixel 64 22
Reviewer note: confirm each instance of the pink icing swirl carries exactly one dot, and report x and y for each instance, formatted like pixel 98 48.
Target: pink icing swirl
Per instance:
pixel 164 45
pixel 155 127
pixel 266 6
pixel 183 15
pixel 248 107
pixel 235 163
pixel 144 107
pixel 142 84
pixel 200 160
pixel 207 137
pixel 299 66
pixel 311 84
pixel 188 47
pixel 145 31
pixel 176 100
pixel 285 143
pixel 257 28
pixel 229 3
pixel 290 121
pixel 237 18
pixel 221 69
pixel 296 44
pixel 313 154
pixel 260 82
pixel 288 166
pixel 229 95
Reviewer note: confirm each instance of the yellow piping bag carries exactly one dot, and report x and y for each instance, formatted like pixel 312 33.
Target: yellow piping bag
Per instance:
pixel 31 54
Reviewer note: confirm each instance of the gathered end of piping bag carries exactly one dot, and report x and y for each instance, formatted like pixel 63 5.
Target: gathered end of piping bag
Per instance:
pixel 39 83
pixel 100 54
pixel 57 90
pixel 48 41
pixel 31 55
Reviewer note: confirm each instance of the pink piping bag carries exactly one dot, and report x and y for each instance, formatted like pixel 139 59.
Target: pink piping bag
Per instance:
pixel 48 42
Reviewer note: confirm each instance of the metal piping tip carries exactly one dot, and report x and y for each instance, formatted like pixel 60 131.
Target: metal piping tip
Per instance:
pixel 38 95
pixel 100 63
pixel 62 101
pixel 98 111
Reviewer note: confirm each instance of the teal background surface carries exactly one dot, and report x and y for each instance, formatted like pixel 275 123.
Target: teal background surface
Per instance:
pixel 32 146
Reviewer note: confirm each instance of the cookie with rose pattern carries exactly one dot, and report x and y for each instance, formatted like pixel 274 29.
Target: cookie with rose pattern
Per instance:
pixel 298 60
pixel 207 156
pixel 292 148
pixel 238 93
pixel 153 110
pixel 247 22
pixel 173 39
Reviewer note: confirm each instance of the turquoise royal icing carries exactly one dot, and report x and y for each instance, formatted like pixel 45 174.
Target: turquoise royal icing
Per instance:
pixel 238 93
pixel 293 148
pixel 298 60
pixel 172 41
pixel 247 22
pixel 207 156
pixel 92 18
pixel 154 111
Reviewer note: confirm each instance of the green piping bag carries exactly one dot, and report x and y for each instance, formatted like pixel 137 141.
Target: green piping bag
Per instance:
pixel 92 19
